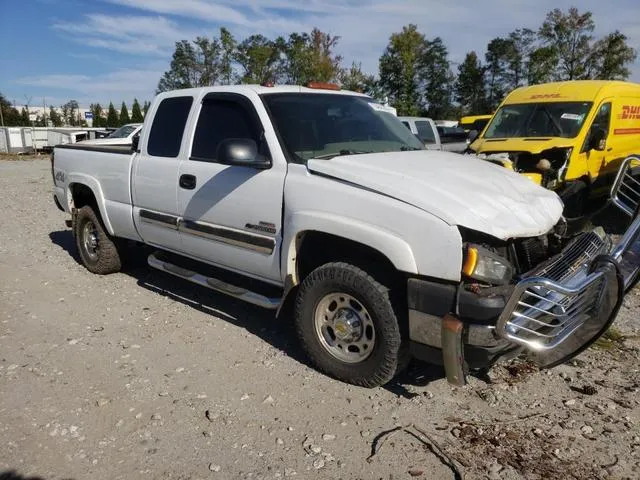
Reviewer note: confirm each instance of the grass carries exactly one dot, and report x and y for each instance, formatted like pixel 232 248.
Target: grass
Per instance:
pixel 16 157
pixel 611 339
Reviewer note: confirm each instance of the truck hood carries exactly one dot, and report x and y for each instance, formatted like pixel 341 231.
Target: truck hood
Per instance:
pixel 531 145
pixel 459 189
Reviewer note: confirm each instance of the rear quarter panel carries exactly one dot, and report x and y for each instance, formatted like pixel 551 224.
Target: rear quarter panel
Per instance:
pixel 108 175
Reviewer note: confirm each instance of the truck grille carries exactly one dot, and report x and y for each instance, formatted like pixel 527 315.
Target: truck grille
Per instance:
pixel 575 255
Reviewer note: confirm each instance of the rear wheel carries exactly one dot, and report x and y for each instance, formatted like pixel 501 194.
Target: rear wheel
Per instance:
pixel 347 325
pixel 98 251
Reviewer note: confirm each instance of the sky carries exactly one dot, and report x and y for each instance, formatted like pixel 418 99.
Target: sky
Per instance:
pixel 115 50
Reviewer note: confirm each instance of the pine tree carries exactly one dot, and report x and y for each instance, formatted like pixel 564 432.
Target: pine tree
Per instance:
pixel 124 115
pixel 136 113
pixel 112 117
pixel 24 118
pixel 54 117
pixel 145 107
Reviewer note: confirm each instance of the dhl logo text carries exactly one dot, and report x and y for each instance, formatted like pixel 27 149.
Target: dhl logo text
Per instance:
pixel 546 95
pixel 630 112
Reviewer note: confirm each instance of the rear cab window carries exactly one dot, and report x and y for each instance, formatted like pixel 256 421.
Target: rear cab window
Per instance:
pixel 425 132
pixel 168 127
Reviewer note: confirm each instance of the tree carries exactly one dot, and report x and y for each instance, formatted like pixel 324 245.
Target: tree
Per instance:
pixel 310 58
pixel 25 121
pixel 96 113
pixel 400 71
pixel 124 115
pixel 70 113
pixel 10 116
pixel 54 117
pixel 541 65
pixel 259 59
pixel 470 86
pixel 145 107
pixel 228 45
pixel 610 56
pixel 136 113
pixel 355 80
pixel 500 53
pixel 436 79
pixel 191 66
pixel 569 35
pixel 112 117
pixel 522 43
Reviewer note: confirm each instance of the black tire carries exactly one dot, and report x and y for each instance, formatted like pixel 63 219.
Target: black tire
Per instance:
pixel 105 258
pixel 383 361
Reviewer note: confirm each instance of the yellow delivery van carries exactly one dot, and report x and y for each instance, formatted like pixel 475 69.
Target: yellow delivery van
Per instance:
pixel 474 122
pixel 567 136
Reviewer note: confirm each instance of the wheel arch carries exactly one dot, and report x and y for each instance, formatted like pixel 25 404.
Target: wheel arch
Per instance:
pixel 84 190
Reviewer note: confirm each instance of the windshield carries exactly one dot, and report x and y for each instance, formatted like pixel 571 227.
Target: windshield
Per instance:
pixel 315 125
pixel 557 119
pixel 123 132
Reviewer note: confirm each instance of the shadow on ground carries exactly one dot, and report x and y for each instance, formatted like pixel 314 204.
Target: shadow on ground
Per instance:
pixel 14 475
pixel 278 332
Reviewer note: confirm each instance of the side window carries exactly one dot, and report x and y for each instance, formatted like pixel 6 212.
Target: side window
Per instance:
pixel 406 124
pixel 603 118
pixel 168 127
pixel 221 119
pixel 425 132
pixel 601 121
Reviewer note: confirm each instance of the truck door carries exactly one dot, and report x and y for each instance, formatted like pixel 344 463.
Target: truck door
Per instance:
pixel 155 174
pixel 231 215
pixel 599 161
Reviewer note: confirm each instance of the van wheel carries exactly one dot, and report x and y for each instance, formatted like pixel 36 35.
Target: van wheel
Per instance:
pixel 347 325
pixel 98 250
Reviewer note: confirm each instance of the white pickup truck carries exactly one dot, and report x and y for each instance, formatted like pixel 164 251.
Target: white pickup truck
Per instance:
pixel 321 197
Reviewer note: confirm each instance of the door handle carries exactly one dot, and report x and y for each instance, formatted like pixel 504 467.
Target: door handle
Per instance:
pixel 188 182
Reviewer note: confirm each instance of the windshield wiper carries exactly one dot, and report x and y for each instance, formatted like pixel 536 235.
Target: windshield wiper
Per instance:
pixel 329 156
pixel 406 148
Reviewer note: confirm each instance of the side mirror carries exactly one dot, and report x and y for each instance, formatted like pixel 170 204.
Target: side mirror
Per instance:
pixel 135 140
pixel 242 152
pixel 473 135
pixel 598 140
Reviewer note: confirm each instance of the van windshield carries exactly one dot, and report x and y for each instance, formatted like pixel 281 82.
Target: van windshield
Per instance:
pixel 317 125
pixel 550 119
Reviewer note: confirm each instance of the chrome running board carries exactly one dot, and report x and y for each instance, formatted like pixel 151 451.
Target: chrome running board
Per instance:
pixel 214 283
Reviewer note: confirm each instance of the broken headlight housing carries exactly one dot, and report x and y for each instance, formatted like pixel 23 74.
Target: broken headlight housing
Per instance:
pixel 485 266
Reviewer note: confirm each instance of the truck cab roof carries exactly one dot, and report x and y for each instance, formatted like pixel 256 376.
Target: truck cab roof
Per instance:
pixel 259 89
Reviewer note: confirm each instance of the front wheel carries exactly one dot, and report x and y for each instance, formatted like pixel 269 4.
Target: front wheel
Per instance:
pixel 347 325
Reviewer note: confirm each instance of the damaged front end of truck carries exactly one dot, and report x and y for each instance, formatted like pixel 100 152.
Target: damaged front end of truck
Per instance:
pixel 549 296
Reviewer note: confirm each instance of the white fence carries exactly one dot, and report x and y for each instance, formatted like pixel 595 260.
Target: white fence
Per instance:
pixel 35 139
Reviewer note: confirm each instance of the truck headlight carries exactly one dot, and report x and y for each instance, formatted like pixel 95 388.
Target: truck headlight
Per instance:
pixel 483 265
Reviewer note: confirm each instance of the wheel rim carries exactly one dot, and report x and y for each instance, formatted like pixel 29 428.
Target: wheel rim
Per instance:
pixel 90 240
pixel 344 327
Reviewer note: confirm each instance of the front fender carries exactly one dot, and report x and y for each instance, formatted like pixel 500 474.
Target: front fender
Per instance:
pixel 393 247
pixel 93 184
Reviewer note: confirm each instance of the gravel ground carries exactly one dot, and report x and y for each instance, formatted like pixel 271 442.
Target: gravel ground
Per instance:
pixel 139 375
